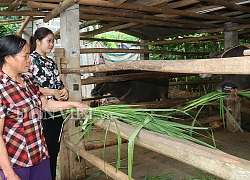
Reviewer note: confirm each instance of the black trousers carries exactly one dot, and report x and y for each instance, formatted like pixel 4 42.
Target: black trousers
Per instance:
pixel 51 130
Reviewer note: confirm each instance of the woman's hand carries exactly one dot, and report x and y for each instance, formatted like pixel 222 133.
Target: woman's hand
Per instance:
pixel 82 108
pixel 56 94
pixel 63 94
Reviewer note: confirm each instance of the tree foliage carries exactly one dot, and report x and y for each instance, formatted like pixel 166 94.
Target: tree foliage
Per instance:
pixel 8 28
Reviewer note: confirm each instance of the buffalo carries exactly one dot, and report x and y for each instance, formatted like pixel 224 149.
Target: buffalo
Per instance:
pixel 231 82
pixel 133 91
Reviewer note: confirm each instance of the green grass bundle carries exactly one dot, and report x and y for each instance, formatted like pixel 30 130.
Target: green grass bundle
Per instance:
pixel 153 121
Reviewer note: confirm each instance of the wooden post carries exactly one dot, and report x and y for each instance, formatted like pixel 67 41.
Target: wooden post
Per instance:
pixel 71 166
pixel 231 39
pixel 144 56
pixel 60 61
pixel 234 107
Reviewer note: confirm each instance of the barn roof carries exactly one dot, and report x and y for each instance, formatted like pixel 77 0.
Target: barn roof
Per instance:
pixel 151 20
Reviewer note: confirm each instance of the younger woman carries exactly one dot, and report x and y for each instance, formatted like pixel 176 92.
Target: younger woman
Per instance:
pixel 47 76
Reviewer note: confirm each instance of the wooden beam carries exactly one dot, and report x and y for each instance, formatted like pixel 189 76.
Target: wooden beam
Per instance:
pixel 229 5
pixel 109 40
pixel 182 40
pixel 160 2
pixel 233 65
pixel 105 28
pixel 168 11
pixel 22 13
pixel 92 10
pixel 139 21
pixel 119 2
pixel 99 11
pixel 97 162
pixel 215 162
pixel 5 22
pixel 14 5
pixel 24 24
pixel 131 76
pixel 60 8
pixel 109 50
pixel 101 144
pixel 48 1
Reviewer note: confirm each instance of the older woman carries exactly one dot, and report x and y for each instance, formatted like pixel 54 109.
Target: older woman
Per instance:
pixel 24 153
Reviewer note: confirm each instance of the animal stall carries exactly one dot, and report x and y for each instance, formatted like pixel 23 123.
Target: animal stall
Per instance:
pixel 89 59
pixel 216 162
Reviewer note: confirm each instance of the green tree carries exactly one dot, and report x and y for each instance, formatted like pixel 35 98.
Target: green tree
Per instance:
pixel 8 28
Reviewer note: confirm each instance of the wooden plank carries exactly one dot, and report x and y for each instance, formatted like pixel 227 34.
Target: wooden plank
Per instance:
pixel 233 65
pixel 99 163
pixel 246 52
pixel 215 162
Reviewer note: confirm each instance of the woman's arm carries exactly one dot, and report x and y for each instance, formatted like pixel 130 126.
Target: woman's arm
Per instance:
pixel 5 164
pixel 50 92
pixel 54 106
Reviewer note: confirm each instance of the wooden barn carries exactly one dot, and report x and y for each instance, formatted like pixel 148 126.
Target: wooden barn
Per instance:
pixel 155 23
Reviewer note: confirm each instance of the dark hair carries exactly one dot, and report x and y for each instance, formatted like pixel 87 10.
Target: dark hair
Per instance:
pixel 40 34
pixel 10 45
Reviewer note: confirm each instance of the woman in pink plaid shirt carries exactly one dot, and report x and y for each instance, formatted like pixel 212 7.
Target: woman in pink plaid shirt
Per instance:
pixel 24 153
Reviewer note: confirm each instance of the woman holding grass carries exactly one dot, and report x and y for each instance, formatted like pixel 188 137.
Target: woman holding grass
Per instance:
pixel 24 153
pixel 47 77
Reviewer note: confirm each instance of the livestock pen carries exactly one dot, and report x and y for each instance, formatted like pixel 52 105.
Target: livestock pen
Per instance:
pixel 216 162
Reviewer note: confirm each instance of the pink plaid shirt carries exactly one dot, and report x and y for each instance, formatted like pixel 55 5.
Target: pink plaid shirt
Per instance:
pixel 20 107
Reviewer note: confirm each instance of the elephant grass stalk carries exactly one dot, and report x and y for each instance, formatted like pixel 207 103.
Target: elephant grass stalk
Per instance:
pixel 141 118
pixel 211 98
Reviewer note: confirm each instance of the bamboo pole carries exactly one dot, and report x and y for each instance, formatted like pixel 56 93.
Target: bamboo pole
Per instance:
pixel 60 8
pixel 213 161
pixel 166 10
pixel 232 65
